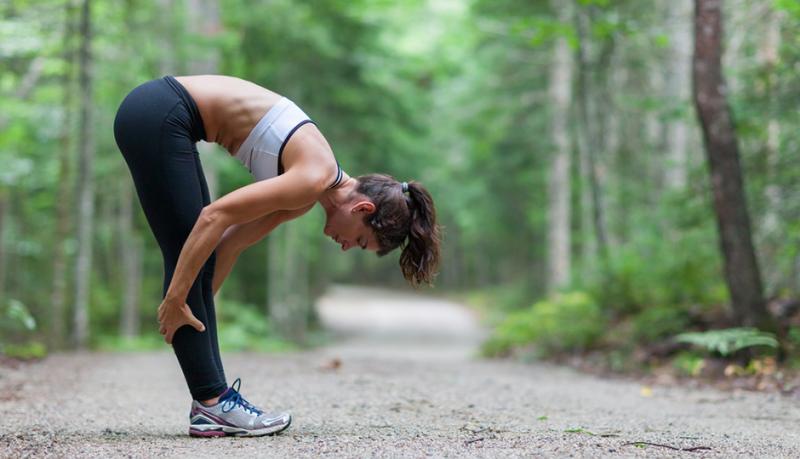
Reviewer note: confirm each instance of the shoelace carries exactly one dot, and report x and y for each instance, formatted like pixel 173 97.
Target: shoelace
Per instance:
pixel 237 399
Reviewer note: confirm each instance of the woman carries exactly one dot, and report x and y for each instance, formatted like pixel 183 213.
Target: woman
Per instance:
pixel 156 128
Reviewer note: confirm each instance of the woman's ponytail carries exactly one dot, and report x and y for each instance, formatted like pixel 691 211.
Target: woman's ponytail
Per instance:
pixel 420 257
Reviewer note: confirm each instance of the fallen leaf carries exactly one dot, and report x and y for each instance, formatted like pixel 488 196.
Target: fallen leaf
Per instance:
pixel 333 364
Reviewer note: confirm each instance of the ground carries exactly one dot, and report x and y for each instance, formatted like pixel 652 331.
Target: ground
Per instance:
pixel 403 381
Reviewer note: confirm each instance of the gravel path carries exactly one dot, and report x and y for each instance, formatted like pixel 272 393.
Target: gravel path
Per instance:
pixel 411 390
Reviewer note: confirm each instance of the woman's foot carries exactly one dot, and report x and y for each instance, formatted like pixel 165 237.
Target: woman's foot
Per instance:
pixel 234 415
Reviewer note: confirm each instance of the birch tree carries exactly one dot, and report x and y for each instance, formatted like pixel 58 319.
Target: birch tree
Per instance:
pixel 85 181
pixel 560 94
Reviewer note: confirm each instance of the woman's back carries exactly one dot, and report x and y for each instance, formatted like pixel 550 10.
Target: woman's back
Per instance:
pixel 230 107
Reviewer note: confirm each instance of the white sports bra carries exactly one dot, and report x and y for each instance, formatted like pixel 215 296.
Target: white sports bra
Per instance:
pixel 261 150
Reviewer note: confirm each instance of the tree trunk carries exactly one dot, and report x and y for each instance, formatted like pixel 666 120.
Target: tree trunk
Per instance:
pixel 2 247
pixel 129 243
pixel 589 136
pixel 203 18
pixel 614 84
pixel 288 283
pixel 560 92
pixel 722 152
pixel 272 296
pixel 771 231
pixel 165 27
pixel 64 202
pixel 131 260
pixel 677 92
pixel 83 270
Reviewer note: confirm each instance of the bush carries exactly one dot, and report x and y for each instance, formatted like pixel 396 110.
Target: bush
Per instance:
pixel 650 272
pixel 16 326
pixel 689 363
pixel 27 351
pixel 242 327
pixel 566 322
pixel 501 299
pixel 117 343
pixel 659 322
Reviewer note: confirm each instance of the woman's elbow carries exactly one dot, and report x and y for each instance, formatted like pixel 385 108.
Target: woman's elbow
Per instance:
pixel 211 217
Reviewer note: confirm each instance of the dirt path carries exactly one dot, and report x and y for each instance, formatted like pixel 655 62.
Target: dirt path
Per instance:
pixel 407 386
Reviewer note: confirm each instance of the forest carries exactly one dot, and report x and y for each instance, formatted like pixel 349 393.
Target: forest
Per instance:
pixel 609 174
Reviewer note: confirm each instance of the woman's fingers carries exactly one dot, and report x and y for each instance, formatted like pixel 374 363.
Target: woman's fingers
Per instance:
pixel 191 320
pixel 197 324
pixel 169 324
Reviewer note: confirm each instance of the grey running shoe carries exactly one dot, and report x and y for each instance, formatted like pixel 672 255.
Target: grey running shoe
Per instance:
pixel 234 415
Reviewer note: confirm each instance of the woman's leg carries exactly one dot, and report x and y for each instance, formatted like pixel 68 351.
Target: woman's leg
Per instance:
pixel 151 131
pixel 197 352
pixel 207 282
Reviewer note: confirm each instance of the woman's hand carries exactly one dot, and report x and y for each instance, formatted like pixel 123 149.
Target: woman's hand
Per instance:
pixel 173 315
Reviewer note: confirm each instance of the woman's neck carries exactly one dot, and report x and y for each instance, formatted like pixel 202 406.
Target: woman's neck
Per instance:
pixel 339 195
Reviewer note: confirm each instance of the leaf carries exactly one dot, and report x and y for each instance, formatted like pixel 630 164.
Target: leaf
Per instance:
pixel 18 312
pixel 730 340
pixel 580 430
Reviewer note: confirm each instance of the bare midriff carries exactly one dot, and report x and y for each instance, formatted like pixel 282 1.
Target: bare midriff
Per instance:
pixel 230 107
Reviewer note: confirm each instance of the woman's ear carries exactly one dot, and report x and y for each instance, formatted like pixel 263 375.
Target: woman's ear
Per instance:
pixel 364 207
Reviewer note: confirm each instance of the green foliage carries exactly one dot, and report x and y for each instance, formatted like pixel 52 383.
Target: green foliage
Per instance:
pixel 658 322
pixel 793 346
pixel 689 363
pixel 790 6
pixel 726 342
pixel 454 94
pixel 144 342
pixel 501 299
pixel 242 327
pixel 26 351
pixel 16 327
pixel 16 317
pixel 794 336
pixel 650 272
pixel 580 430
pixel 566 322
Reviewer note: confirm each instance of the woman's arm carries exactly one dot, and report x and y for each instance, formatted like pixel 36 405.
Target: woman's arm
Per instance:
pixel 239 237
pixel 298 188
pixel 290 191
pixel 235 240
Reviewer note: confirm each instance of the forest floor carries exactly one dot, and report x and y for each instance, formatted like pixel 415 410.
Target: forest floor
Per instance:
pixel 402 381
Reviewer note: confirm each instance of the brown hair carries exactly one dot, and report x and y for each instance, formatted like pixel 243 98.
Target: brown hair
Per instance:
pixel 407 220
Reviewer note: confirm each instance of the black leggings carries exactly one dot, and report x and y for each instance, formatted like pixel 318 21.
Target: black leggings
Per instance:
pixel 156 128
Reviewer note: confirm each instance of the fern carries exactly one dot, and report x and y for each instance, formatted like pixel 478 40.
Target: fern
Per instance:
pixel 729 340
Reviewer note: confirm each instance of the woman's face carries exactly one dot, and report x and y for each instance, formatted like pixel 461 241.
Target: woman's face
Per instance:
pixel 345 225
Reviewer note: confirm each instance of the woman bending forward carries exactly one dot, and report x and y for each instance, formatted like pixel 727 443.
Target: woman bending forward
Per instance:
pixel 156 128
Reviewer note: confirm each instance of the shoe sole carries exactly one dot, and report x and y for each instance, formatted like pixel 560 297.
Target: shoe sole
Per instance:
pixel 216 430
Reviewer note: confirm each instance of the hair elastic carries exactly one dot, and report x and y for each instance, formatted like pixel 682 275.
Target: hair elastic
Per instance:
pixel 405 187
